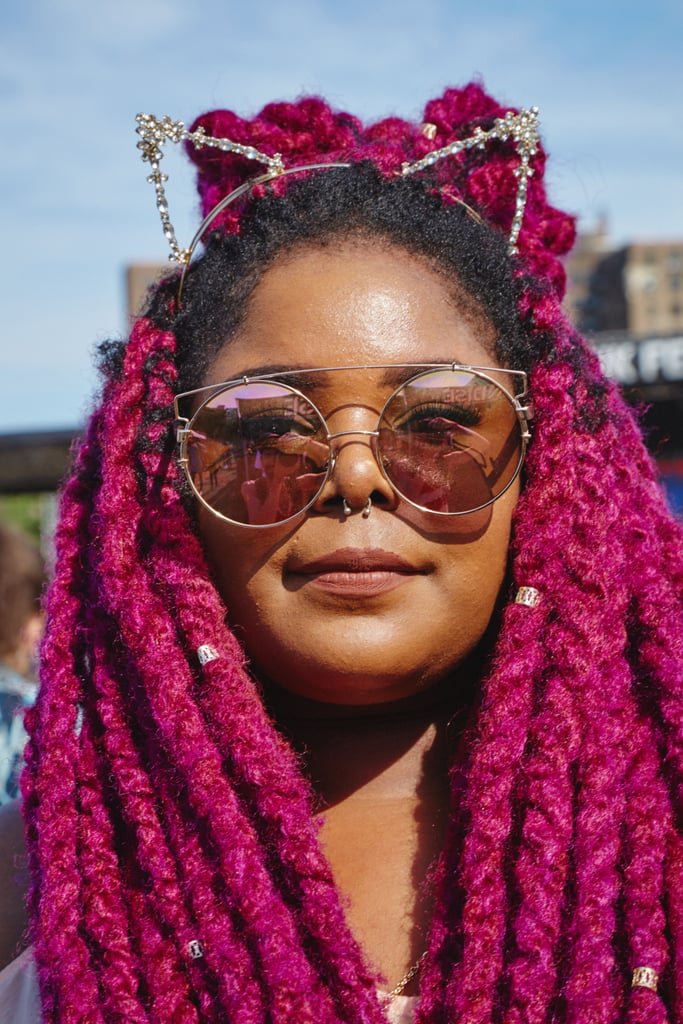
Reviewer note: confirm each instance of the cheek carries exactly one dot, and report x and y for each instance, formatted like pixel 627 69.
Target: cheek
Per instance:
pixel 475 575
pixel 241 560
pixel 478 548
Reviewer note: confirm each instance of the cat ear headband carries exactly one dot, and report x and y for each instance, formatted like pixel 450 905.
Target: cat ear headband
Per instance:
pixel 521 128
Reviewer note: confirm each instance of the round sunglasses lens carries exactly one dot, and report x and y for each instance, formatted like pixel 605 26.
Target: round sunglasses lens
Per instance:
pixel 258 453
pixel 450 441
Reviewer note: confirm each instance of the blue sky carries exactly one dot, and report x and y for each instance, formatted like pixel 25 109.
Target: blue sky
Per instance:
pixel 74 205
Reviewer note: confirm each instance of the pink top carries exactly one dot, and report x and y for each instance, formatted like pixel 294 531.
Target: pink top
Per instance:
pixel 401 1010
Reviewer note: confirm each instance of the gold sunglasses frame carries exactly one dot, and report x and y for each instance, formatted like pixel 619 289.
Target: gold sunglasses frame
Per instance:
pixel 517 398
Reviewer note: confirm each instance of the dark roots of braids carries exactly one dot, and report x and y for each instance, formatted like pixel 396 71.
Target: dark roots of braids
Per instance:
pixel 319 211
pixel 167 815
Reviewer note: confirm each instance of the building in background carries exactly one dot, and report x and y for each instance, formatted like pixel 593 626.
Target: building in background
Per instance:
pixel 628 301
pixel 590 250
pixel 636 288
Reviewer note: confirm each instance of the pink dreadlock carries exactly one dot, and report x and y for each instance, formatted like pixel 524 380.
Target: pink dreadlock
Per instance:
pixel 163 807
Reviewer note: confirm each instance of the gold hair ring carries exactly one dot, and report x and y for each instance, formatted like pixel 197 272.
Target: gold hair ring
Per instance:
pixel 645 977
pixel 528 596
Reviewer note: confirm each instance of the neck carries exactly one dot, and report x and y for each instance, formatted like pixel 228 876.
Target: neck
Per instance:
pixel 381 777
pixel 391 751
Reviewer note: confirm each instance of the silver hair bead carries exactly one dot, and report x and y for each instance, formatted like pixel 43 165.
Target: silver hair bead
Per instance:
pixel 207 653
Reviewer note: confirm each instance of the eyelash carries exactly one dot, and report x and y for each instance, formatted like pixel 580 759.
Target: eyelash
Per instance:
pixel 461 415
pixel 285 416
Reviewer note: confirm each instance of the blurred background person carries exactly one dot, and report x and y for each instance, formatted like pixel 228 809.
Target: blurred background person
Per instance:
pixel 21 629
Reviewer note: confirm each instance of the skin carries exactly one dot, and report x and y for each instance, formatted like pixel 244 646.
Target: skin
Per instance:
pixel 373 684
pixel 372 687
pixel 22 658
pixel 359 303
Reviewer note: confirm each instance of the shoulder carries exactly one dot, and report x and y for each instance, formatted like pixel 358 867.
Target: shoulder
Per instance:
pixel 13 883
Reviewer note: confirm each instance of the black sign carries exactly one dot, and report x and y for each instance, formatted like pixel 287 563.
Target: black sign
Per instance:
pixel 632 361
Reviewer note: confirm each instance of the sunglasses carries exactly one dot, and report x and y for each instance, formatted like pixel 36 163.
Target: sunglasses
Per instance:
pixel 449 440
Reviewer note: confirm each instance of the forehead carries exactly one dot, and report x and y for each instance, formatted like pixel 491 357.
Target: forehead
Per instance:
pixel 354 304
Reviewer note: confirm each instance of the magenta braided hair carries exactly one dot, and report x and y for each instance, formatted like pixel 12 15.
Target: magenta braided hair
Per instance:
pixel 165 813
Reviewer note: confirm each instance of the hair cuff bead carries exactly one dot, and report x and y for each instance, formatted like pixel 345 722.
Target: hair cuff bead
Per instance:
pixel 645 977
pixel 195 949
pixel 207 653
pixel 528 596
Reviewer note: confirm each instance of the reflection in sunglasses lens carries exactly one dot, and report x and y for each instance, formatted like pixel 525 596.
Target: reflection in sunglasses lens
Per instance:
pixel 258 453
pixel 449 441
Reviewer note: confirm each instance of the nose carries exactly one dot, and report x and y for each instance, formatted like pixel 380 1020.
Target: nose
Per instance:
pixel 356 475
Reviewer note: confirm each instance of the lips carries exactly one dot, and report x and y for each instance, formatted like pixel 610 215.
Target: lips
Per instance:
pixel 354 572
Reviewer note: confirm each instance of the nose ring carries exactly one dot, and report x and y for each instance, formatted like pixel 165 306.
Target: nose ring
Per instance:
pixel 365 512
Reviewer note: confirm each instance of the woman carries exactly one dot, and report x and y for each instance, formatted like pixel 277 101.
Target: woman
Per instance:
pixel 343 717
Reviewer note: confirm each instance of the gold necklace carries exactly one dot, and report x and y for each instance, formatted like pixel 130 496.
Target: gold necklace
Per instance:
pixel 408 976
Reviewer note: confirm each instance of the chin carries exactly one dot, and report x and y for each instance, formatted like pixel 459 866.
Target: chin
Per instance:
pixel 359 683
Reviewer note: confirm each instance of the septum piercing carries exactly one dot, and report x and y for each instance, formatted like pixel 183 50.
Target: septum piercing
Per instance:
pixel 365 511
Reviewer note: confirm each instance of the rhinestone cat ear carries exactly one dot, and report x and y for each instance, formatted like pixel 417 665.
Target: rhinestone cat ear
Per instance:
pixel 521 128
pixel 154 133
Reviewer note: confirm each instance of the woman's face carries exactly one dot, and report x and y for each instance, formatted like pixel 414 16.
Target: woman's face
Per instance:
pixel 357 610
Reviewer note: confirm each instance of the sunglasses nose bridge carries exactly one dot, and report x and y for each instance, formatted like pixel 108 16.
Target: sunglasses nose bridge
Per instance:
pixel 354 470
pixel 353 452
pixel 344 433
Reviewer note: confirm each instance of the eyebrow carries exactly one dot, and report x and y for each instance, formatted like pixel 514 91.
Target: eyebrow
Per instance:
pixel 395 376
pixel 302 376
pixel 298 376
